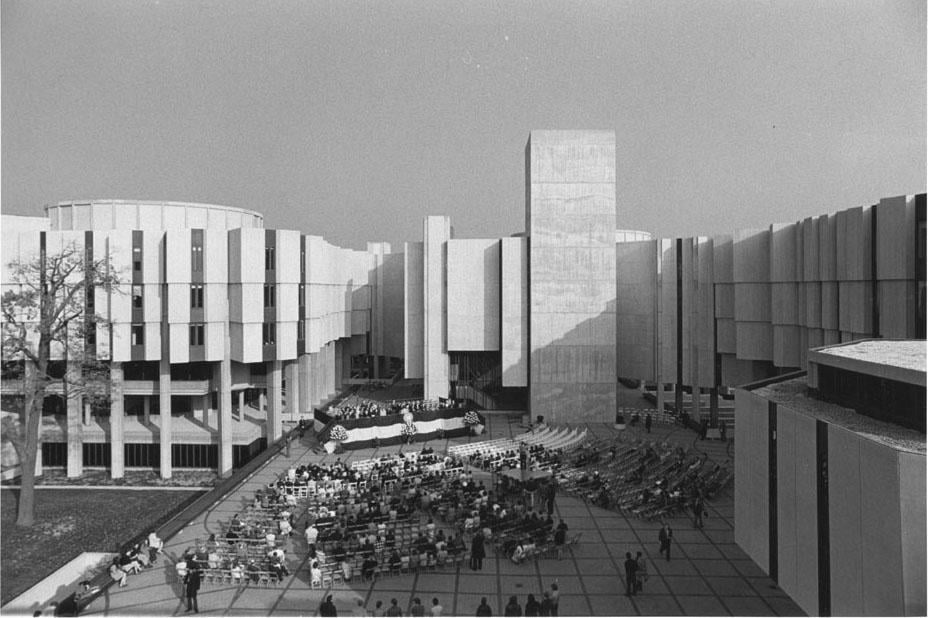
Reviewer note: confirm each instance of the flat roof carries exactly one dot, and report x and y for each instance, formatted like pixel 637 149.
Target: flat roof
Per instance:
pixel 897 359
pixel 794 394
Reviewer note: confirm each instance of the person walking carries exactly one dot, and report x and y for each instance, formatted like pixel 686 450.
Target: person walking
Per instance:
pixel 665 536
pixel 641 572
pixel 699 509
pixel 630 581
pixel 191 587
pixel 477 552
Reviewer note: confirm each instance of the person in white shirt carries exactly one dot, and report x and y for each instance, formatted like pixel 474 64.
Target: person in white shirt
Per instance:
pixel 312 533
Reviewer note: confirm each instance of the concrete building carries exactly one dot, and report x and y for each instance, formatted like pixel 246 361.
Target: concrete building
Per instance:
pixel 219 313
pixel 830 479
pixel 220 330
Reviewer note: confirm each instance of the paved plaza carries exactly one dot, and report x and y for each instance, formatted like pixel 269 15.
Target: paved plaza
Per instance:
pixel 707 575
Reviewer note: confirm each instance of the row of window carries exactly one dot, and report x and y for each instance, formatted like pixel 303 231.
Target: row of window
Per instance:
pixel 198 333
pixel 99 454
pixel 196 296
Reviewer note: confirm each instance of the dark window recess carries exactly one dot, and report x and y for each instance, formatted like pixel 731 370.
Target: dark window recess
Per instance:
pixel 269 333
pixel 138 334
pixel 302 296
pixel 137 296
pixel 54 454
pixel 301 330
pixel 195 455
pixel 137 259
pixel 887 400
pixel 142 455
pixel 303 261
pixel 196 296
pixel 197 334
pixel 96 454
pixel 242 454
pixel 270 295
pixel 269 260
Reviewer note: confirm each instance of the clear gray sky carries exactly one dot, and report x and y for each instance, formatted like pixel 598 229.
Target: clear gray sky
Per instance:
pixel 354 120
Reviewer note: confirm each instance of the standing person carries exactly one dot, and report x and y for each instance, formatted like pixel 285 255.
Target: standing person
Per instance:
pixel 545 608
pixel 513 608
pixel 328 607
pixel 641 572
pixel 698 509
pixel 665 536
pixel 723 430
pixel 555 596
pixel 477 552
pixel 647 422
pixel 191 587
pixel 394 609
pixel 630 568
pixel 417 609
pixel 379 611
pixel 484 608
pixel 560 537
pixel 437 609
pixel 532 607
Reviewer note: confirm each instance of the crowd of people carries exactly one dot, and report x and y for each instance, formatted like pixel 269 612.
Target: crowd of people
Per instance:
pixel 140 556
pixel 358 407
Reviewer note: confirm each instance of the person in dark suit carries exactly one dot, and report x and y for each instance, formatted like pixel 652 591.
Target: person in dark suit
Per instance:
pixel 665 536
pixel 191 587
pixel 631 567
pixel 477 552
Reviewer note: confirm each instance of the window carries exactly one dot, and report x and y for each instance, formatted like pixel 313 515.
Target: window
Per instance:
pixel 137 259
pixel 90 295
pixel 301 330
pixel 269 258
pixel 138 334
pixel 302 294
pixel 197 332
pixel 269 331
pixel 302 261
pixel 270 295
pixel 196 296
pixel 136 297
pixel 196 258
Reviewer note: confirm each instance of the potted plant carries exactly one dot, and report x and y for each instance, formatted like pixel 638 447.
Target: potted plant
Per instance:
pixel 472 420
pixel 408 431
pixel 337 435
pixel 619 421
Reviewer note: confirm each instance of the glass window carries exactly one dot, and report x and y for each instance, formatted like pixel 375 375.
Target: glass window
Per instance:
pixel 269 258
pixel 270 295
pixel 197 332
pixel 196 296
pixel 137 259
pixel 269 332
pixel 138 334
pixel 137 296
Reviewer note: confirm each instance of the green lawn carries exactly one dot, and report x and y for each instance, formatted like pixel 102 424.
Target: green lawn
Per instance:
pixel 71 521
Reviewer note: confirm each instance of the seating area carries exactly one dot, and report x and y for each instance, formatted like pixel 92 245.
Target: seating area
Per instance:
pixel 504 452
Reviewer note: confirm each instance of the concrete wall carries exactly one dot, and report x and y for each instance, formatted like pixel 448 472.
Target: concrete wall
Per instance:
pixel 413 316
pixel 514 301
pixel 571 226
pixel 436 367
pixel 474 294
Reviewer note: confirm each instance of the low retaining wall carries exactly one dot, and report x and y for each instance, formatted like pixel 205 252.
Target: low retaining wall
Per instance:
pixel 59 584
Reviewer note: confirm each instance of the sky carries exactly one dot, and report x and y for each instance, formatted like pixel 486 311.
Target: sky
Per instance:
pixel 354 120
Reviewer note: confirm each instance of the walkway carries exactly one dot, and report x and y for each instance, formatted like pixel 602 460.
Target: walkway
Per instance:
pixel 707 575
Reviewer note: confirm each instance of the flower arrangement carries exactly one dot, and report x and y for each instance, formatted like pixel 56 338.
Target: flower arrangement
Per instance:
pixel 409 430
pixel 338 433
pixel 471 418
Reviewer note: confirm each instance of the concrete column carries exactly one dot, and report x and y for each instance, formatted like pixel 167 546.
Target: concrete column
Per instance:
pixel 75 428
pixel 241 404
pixel 146 409
pixel 274 401
pixel 262 400
pixel 305 371
pixel 292 370
pixel 205 404
pixel 436 364
pixel 87 412
pixel 337 365
pixel 224 424
pixel 117 418
pixel 164 411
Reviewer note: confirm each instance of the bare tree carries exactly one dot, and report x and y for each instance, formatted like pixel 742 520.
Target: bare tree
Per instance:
pixel 48 313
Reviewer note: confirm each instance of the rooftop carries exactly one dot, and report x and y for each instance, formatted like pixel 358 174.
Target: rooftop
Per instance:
pixel 794 394
pixel 905 354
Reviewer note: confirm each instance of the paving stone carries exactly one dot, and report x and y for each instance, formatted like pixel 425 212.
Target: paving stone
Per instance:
pixel 747 606
pixel 681 566
pixel 701 606
pixel 700 550
pixel 573 605
pixel 613 605
pixel 715 568
pixel 731 587
pixel 657 605
pixel 478 584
